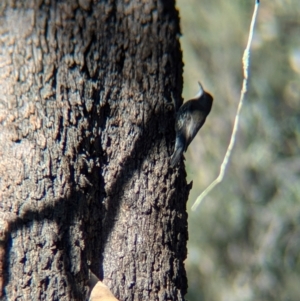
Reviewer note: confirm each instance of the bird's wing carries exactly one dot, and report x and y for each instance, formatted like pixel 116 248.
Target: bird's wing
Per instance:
pixel 183 117
pixel 192 130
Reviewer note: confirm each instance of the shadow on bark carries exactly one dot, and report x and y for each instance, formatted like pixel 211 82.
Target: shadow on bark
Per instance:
pixel 67 211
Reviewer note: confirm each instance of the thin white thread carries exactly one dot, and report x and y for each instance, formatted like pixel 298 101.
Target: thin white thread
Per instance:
pixel 245 62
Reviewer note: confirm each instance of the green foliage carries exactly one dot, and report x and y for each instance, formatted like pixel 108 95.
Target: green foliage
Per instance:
pixel 245 236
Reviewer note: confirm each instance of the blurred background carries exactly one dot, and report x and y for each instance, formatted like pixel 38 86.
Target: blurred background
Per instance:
pixel 245 237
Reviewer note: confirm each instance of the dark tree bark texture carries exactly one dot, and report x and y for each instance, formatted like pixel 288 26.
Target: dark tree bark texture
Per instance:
pixel 87 93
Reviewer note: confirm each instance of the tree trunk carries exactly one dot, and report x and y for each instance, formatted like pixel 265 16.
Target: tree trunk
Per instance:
pixel 87 94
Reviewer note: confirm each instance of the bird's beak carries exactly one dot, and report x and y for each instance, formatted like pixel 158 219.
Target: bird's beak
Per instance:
pixel 201 91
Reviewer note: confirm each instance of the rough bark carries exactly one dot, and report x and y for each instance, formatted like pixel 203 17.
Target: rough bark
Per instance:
pixel 87 129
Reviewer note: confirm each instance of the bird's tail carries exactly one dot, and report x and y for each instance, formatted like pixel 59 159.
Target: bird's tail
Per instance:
pixel 178 151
